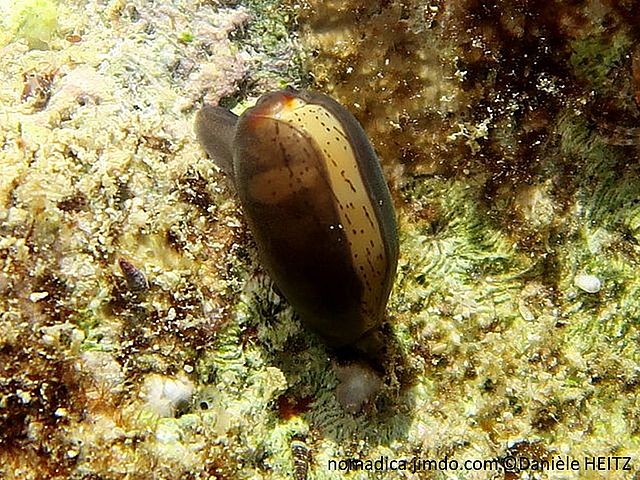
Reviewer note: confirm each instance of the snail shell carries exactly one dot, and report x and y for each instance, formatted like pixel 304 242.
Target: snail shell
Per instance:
pixel 317 204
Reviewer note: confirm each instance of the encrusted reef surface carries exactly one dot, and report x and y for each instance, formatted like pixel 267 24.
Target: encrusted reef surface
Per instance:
pixel 139 336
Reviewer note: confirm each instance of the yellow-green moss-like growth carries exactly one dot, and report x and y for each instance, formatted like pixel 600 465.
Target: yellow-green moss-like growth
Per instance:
pixel 35 21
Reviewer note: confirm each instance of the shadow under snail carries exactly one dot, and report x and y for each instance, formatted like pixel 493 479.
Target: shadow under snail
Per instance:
pixel 317 204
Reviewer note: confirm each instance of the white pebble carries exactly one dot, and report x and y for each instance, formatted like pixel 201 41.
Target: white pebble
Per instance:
pixel 37 296
pixel 359 385
pixel 588 283
pixel 165 395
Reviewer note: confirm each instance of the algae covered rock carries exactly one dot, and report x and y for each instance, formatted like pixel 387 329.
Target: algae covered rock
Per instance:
pixel 138 333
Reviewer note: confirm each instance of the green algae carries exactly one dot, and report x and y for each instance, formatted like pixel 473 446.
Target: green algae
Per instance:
pixel 594 57
pixel 35 21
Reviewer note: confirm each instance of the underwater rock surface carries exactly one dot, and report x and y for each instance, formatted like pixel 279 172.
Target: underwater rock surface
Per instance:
pixel 508 132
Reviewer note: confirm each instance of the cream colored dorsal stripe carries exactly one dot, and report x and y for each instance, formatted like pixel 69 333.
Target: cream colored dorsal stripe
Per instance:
pixel 353 203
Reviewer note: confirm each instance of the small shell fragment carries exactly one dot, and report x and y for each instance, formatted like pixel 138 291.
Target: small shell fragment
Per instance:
pixel 136 281
pixel 301 458
pixel 588 283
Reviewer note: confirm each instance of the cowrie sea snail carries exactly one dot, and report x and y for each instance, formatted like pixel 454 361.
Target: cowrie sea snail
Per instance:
pixel 317 204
